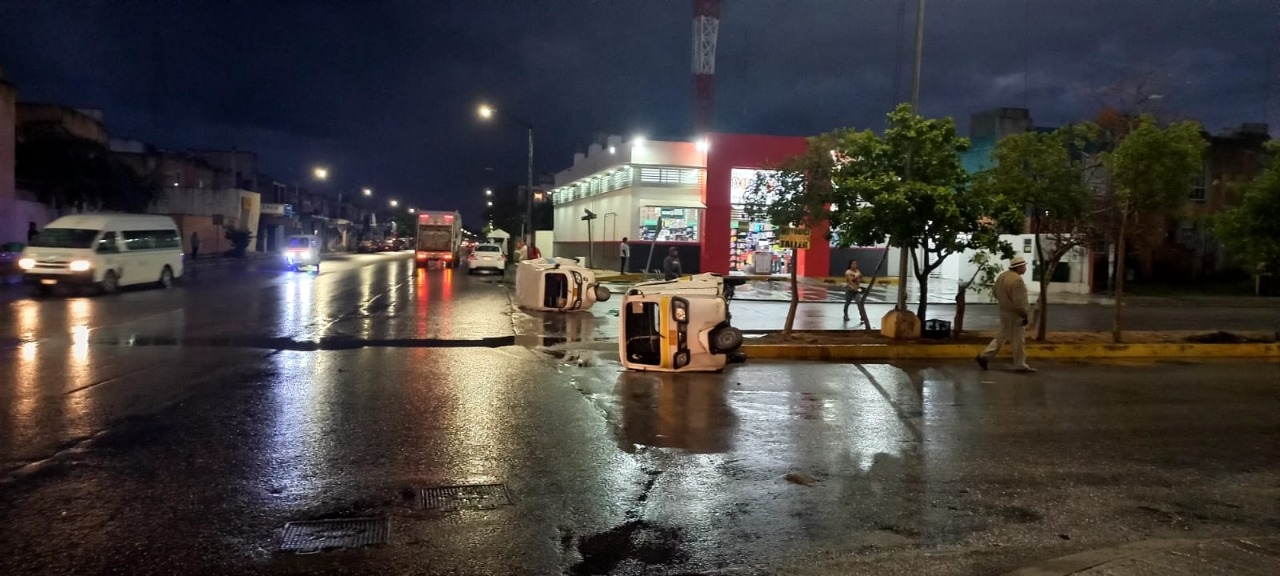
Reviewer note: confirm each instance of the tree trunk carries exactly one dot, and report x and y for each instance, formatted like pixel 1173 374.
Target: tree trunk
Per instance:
pixel 1046 276
pixel 1118 324
pixel 795 301
pixel 861 299
pixel 923 279
pixel 1042 303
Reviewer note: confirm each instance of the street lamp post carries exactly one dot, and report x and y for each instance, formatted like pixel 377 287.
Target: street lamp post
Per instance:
pixel 488 112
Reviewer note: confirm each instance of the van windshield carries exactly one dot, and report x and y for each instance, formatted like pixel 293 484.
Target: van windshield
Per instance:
pixel 64 238
pixel 299 242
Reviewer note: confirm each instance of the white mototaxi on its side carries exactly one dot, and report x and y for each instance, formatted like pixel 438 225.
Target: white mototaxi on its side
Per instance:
pixel 678 325
pixel 557 285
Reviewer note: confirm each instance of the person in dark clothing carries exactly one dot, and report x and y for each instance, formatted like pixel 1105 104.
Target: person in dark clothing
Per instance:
pixel 31 232
pixel 195 245
pixel 671 265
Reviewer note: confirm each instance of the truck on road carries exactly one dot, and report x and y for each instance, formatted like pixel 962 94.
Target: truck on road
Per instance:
pixel 439 239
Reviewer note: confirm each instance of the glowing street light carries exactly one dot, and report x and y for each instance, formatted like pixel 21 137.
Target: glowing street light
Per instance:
pixel 394 203
pixel 321 173
pixel 488 192
pixel 489 204
pixel 488 112
pixel 412 210
pixel 368 192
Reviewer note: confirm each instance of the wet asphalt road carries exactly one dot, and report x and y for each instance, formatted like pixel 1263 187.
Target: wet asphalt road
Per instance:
pixel 176 432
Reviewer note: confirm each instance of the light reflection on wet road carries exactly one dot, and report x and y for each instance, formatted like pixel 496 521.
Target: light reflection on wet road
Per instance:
pixel 249 398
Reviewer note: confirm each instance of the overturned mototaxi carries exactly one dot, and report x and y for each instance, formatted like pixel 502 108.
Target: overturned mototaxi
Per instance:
pixel 557 285
pixel 678 325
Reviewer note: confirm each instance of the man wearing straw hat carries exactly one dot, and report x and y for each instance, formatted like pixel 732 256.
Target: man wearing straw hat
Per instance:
pixel 1011 294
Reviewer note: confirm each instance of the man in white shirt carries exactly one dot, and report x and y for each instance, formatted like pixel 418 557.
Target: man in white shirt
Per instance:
pixel 624 252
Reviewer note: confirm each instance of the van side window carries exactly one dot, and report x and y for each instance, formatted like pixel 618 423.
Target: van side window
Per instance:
pixel 107 245
pixel 166 239
pixel 135 240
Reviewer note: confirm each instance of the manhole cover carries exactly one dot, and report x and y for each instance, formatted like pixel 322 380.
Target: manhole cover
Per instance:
pixel 476 496
pixel 317 535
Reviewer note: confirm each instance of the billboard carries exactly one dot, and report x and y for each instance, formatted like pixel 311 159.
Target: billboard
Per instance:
pixel 740 180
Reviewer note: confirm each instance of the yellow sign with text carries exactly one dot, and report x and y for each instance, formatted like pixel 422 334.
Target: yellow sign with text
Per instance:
pixel 794 238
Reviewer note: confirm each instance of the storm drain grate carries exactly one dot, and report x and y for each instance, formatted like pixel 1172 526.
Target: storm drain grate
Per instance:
pixel 317 535
pixel 475 496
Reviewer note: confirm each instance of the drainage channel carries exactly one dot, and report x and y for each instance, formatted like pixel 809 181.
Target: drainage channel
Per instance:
pixel 321 535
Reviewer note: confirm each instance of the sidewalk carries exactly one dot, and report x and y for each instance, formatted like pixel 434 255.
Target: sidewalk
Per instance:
pixel 1233 556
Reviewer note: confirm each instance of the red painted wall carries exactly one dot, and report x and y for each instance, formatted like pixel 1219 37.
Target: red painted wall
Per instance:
pixel 729 151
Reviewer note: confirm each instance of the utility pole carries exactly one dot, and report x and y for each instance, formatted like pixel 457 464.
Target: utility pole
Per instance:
pixel 904 256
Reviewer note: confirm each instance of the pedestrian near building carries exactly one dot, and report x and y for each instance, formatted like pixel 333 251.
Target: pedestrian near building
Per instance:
pixel 31 232
pixel 1011 294
pixel 852 286
pixel 671 265
pixel 195 245
pixel 624 252
pixel 522 251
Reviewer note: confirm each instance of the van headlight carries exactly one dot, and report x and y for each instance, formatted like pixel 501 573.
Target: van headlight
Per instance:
pixel 27 263
pixel 79 265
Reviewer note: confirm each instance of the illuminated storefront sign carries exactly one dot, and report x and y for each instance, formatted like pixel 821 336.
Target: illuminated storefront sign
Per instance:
pixel 741 179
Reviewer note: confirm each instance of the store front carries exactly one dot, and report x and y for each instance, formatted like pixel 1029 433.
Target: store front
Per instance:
pixel 685 196
pixel 753 241
pixel 750 245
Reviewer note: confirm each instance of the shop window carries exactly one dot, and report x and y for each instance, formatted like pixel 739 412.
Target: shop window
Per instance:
pixel 670 175
pixel 667 224
pixel 754 247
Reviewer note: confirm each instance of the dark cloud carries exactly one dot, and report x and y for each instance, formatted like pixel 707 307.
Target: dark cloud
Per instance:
pixel 385 91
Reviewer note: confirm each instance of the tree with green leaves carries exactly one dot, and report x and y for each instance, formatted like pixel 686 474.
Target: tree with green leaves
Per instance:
pixel 68 171
pixel 908 187
pixel 1151 172
pixel 1251 230
pixel 794 195
pixel 1046 175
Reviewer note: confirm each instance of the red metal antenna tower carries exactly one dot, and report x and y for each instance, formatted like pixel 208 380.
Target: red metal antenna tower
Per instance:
pixel 706 24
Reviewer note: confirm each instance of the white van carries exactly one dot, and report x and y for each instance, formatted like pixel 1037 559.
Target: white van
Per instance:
pixel 105 251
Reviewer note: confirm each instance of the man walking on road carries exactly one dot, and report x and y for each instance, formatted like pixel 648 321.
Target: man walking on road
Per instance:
pixel 1011 293
pixel 624 252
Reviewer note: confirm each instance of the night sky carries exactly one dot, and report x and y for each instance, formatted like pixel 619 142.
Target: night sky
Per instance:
pixel 384 93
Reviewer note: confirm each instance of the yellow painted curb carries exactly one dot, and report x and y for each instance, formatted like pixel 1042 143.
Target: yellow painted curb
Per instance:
pixel 1045 351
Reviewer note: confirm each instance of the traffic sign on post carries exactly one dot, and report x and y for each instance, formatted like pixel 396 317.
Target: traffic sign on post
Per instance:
pixel 794 238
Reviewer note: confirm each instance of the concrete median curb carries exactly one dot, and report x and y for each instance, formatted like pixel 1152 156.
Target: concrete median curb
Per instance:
pixel 1092 351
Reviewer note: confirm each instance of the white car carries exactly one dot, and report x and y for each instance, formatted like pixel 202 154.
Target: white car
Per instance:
pixel 678 325
pixel 487 257
pixel 557 285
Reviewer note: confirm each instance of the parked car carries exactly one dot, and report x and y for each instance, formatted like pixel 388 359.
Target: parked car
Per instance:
pixel 367 247
pixel 678 325
pixel 487 257
pixel 557 285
